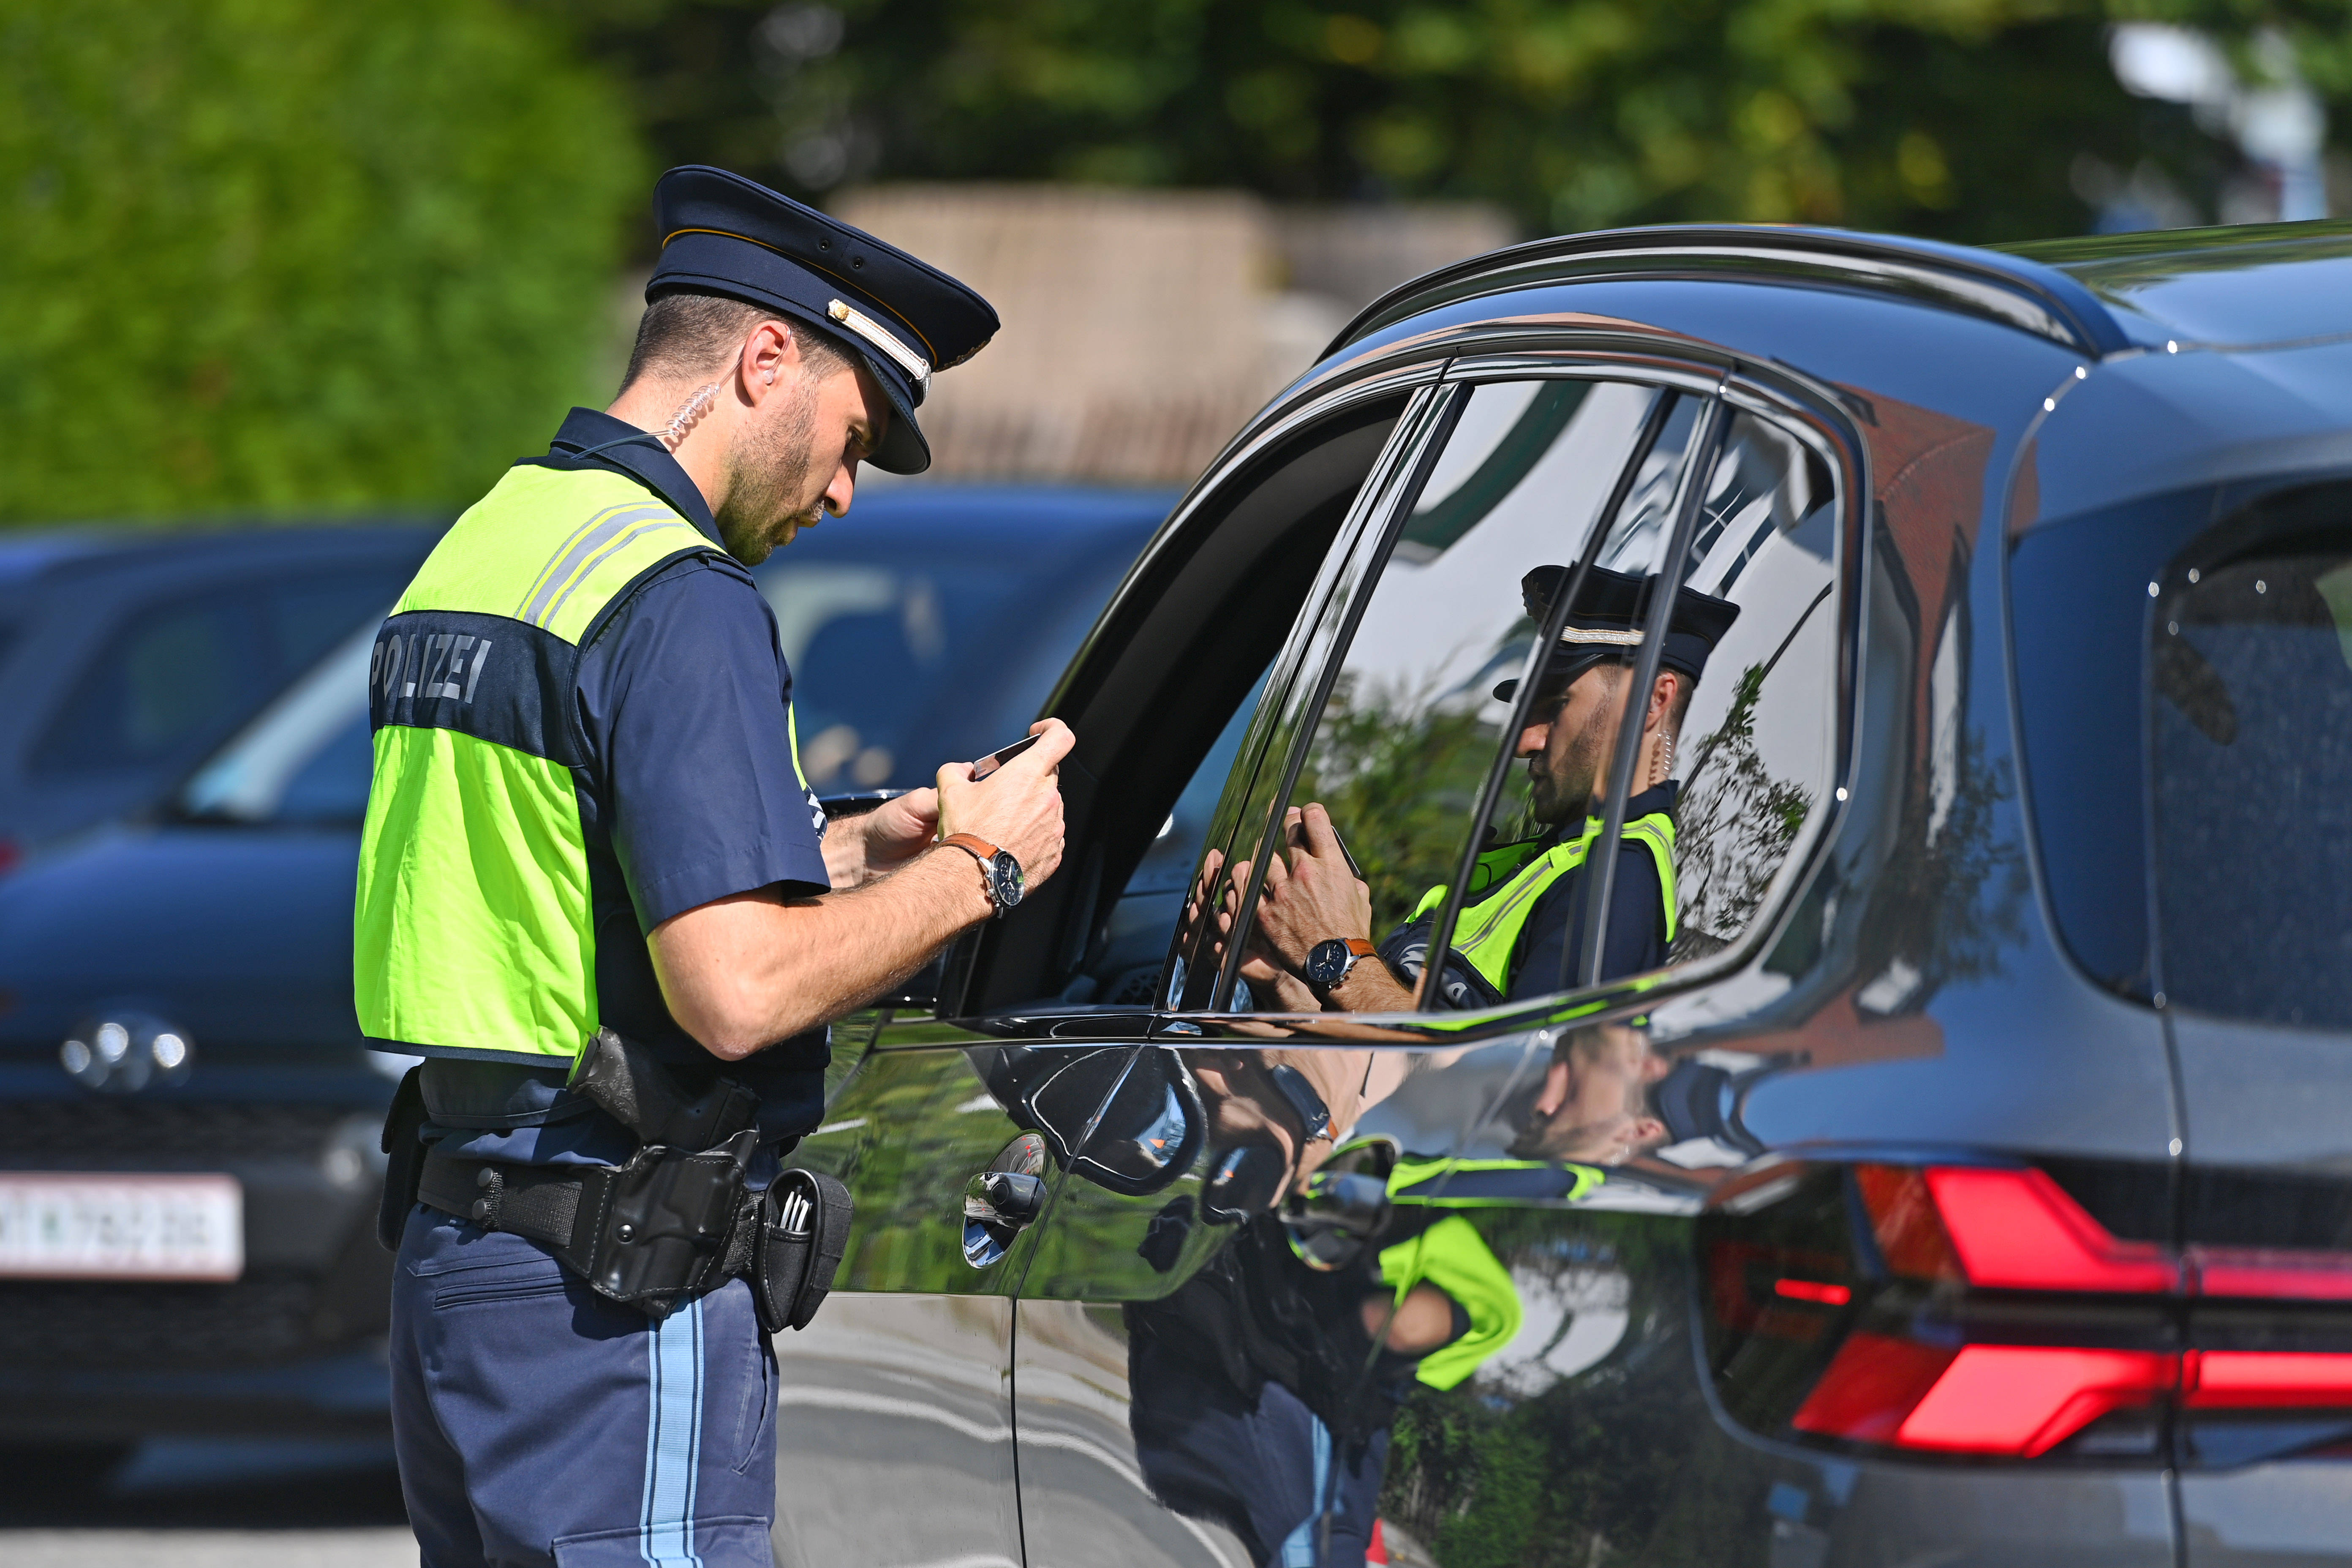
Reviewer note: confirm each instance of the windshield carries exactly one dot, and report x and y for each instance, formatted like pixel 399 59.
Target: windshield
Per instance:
pixel 307 756
pixel 912 643
pixel 900 665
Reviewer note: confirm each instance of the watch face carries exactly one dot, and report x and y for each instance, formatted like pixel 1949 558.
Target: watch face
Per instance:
pixel 1326 962
pixel 1004 875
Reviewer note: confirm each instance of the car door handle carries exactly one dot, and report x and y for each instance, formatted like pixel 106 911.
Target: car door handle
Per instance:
pixel 1004 1198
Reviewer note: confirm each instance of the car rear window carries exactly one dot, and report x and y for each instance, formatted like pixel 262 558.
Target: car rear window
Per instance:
pixel 2185 686
pixel 2250 741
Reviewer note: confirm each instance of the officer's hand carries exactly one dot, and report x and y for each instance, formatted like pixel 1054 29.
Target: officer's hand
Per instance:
pixel 1018 808
pixel 902 829
pixel 1273 987
pixel 1207 906
pixel 1313 897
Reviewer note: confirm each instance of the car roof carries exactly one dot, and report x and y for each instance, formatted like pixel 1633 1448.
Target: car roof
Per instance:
pixel 114 548
pixel 2098 296
pixel 2267 285
pixel 27 556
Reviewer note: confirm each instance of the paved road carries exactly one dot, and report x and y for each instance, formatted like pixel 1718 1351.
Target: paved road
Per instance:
pixel 370 1548
pixel 210 1505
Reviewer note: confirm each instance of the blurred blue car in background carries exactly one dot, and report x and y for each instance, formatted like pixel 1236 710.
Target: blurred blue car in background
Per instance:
pixel 175 989
pixel 127 657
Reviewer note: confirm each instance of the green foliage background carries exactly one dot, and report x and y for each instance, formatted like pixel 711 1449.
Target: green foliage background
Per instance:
pixel 289 256
pixel 1401 775
pixel 304 256
pixel 1958 119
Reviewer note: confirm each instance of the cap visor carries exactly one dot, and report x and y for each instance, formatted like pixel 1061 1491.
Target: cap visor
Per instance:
pixel 1560 670
pixel 903 448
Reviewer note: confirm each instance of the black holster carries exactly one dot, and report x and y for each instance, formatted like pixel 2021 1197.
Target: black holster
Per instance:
pixel 404 1159
pixel 654 1233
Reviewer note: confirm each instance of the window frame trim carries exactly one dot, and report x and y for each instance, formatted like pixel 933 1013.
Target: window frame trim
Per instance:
pixel 1352 564
pixel 1821 418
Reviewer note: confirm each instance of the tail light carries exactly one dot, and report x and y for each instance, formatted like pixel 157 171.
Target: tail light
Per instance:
pixel 1982 1311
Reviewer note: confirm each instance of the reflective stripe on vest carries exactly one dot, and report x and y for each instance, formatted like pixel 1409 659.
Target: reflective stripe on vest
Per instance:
pixel 472 930
pixel 1487 932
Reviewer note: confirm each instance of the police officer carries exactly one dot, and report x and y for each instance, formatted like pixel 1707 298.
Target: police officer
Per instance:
pixel 1525 909
pixel 588 825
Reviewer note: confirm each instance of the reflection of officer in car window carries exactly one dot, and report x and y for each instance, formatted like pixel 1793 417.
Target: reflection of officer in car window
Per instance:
pixel 1525 910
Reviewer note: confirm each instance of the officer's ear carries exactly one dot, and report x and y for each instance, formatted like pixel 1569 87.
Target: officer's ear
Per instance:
pixel 1662 693
pixel 1558 1083
pixel 770 354
pixel 1648 1132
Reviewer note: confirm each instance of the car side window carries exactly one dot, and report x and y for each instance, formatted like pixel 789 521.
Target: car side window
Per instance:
pixel 1124 968
pixel 1168 702
pixel 1757 744
pixel 1417 716
pixel 174 675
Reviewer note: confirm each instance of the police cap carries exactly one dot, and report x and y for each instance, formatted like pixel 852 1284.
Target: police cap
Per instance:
pixel 722 234
pixel 1605 623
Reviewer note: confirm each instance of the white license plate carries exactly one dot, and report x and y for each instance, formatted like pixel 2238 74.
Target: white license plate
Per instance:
pixel 74 1226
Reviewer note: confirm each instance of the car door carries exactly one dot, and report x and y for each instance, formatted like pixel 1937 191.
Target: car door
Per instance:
pixel 1000 1056
pixel 1212 1356
pixel 899 1389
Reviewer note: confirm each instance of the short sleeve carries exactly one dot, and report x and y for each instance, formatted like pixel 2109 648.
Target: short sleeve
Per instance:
pixel 683 702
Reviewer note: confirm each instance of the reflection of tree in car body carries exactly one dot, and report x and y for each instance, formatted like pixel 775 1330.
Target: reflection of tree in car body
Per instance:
pixel 1736 824
pixel 1515 1464
pixel 1952 897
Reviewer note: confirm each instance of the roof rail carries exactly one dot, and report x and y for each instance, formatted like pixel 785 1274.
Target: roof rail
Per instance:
pixel 2011 289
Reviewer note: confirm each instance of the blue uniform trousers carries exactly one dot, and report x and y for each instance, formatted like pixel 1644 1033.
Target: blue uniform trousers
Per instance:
pixel 538 1423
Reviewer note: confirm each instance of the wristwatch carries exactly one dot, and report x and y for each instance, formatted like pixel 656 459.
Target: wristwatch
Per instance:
pixel 1329 963
pixel 998 869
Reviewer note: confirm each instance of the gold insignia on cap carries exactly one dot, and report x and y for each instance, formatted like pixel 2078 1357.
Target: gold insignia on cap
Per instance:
pixel 969 352
pixel 865 327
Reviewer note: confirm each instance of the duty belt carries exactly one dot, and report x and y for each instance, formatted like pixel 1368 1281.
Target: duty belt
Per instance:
pixel 654 1233
pixel 675 1220
pixel 540 1201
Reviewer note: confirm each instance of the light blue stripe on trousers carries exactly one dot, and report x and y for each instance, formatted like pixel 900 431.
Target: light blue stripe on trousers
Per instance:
pixel 673 1439
pixel 1302 1548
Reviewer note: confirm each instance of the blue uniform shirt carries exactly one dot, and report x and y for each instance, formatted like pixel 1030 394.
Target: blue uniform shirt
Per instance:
pixel 690 793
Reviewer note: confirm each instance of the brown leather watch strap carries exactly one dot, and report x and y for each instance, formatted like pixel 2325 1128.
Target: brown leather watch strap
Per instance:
pixel 981 850
pixel 1360 947
pixel 973 845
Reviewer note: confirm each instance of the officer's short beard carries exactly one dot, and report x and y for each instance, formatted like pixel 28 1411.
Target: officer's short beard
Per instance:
pixel 1562 795
pixel 769 465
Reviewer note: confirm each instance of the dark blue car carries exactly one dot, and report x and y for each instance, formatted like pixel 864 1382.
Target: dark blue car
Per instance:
pixel 176 991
